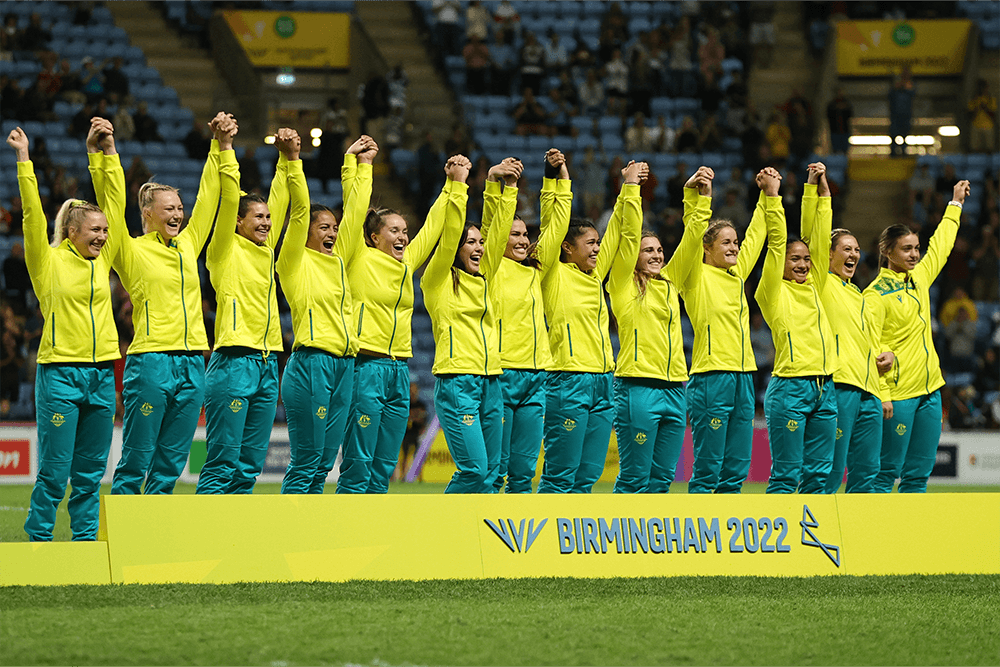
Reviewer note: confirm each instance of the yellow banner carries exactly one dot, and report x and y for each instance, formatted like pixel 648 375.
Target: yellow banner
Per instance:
pixel 223 539
pixel 878 48
pixel 54 563
pixel 293 39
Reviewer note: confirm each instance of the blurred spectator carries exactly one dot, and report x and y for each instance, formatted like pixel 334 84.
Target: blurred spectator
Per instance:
pixel 839 114
pixel 458 143
pixel 530 115
pixel 642 77
pixel 559 112
pixel 69 83
pixel 567 89
pixel 146 128
pixel 791 200
pixel 986 278
pixel 664 136
pixel 958 300
pixel 710 93
pixel 679 81
pixel 581 61
pixel 945 183
pixel 14 216
pixel 921 185
pixel 91 80
pixel 592 95
pixel 616 77
pixel 639 138
pixel 983 108
pixel 15 277
pixel 504 58
pixel 374 103
pixel 35 37
pixel 11 362
pixel 988 372
pixel 675 185
pixel 508 22
pixel 732 208
pixel 397 83
pixel 124 125
pixel 762 37
pixel 477 66
pixel 779 137
pixel 102 111
pixel 960 333
pixel 477 21
pixel 83 12
pixel 532 63
pixel 710 139
pixel 556 54
pixel 116 83
pixel 138 172
pixel 448 30
pixel 901 110
pixel 801 128
pixel 688 138
pixel 10 36
pixel 962 410
pixel 615 24
pixel 79 125
pixel 429 170
pixel 250 177
pixel 198 140
pixel 711 52
pixel 590 176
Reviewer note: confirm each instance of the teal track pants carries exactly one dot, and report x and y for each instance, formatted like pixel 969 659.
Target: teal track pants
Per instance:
pixel 578 417
pixel 75 411
pixel 470 409
pixel 523 428
pixel 909 444
pixel 241 395
pixel 721 408
pixel 650 419
pixel 381 408
pixel 801 429
pixel 163 394
pixel 859 440
pixel 316 390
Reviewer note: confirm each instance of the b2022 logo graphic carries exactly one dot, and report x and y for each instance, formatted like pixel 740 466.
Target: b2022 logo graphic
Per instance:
pixel 585 535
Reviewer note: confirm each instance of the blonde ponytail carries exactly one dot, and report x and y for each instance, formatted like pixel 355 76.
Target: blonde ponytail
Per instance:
pixel 71 215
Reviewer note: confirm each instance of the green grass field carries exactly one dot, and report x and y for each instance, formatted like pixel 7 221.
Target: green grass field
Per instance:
pixel 898 620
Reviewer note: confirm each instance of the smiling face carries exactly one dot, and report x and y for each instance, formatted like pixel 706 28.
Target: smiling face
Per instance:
pixel 517 242
pixel 844 257
pixel 90 236
pixel 256 224
pixel 470 252
pixel 583 250
pixel 323 232
pixel 723 251
pixel 650 259
pixel 797 262
pixel 905 254
pixel 165 214
pixel 392 238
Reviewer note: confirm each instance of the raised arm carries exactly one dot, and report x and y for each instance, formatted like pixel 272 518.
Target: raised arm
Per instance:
pixel 622 228
pixel 495 180
pixel 288 143
pixel 555 170
pixel 684 267
pixel 817 222
pixel 753 242
pixel 496 241
pixel 420 247
pixel 556 209
pixel 439 267
pixel 224 235
pixel 627 217
pixel 927 270
pixel 206 205
pixel 109 185
pixel 356 175
pixel 769 290
pixel 277 199
pixel 36 236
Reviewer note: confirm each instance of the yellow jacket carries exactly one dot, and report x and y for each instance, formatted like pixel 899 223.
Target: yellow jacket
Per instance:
pixel 465 332
pixel 162 281
pixel 649 324
pixel 901 317
pixel 382 287
pixel 242 273
pixel 73 293
pixel 803 341
pixel 316 284
pixel 575 305
pixel 842 302
pixel 715 298
pixel 519 307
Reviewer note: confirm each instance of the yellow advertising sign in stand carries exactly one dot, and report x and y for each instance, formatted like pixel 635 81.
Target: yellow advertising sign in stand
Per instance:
pixel 878 48
pixel 293 39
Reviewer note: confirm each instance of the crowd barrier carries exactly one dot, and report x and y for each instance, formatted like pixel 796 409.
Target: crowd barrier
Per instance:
pixel 226 539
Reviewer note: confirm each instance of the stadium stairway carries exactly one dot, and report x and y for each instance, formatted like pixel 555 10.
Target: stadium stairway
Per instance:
pixel 189 70
pixel 790 69
pixel 393 28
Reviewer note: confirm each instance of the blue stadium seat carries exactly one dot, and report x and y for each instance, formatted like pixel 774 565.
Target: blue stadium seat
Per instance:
pixel 515 145
pixel 612 143
pixel 609 125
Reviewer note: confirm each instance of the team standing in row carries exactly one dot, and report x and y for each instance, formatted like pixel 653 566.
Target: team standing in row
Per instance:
pixel 522 344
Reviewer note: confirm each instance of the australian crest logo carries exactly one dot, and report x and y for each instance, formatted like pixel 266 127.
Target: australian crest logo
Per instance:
pixel 236 405
pixel 640 438
pixel 569 424
pixel 900 429
pixel 715 423
pixel 519 537
pixel 840 434
pixel 792 425
pixel 468 420
pixel 146 409
pixel 321 412
pixel 364 421
pixel 58 419
pixel 808 523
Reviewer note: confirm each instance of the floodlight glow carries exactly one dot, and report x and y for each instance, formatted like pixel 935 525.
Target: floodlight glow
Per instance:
pixel 317 141
pixel 269 139
pixel 949 131
pixel 870 140
pixel 315 133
